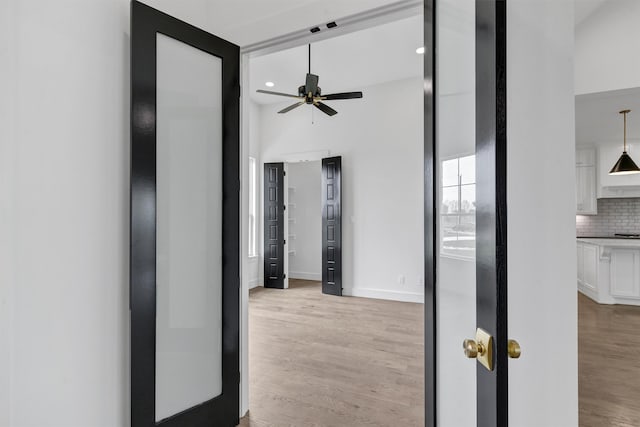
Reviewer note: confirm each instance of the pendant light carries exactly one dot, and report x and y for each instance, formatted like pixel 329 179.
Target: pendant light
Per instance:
pixel 625 165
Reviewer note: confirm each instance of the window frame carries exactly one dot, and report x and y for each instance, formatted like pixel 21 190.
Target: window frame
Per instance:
pixel 458 214
pixel 252 230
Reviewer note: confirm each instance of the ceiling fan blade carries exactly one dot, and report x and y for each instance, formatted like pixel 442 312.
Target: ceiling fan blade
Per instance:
pixel 291 107
pixel 270 92
pixel 344 95
pixel 311 84
pixel 325 108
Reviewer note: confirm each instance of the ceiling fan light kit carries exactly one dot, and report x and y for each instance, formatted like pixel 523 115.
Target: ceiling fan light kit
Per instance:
pixel 310 93
pixel 625 164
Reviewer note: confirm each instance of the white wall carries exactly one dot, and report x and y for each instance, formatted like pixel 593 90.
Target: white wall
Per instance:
pixel 66 201
pixel 380 140
pixel 7 88
pixel 305 233
pixel 606 46
pixel 64 213
pixel 541 214
pixel 250 276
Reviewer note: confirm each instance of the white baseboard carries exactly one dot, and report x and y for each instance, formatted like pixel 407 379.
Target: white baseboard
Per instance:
pixel 305 275
pixel 385 294
pixel 588 292
pixel 254 283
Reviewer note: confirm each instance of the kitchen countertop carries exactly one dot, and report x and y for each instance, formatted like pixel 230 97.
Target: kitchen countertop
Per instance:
pixel 608 237
pixel 611 241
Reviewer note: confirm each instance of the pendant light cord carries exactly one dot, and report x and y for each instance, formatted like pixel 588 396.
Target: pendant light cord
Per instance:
pixel 625 131
pixel 310 59
pixel 624 113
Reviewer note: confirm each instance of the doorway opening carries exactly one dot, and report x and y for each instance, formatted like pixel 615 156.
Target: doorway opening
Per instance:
pixel 608 253
pixel 324 348
pixel 304 218
pixel 301 205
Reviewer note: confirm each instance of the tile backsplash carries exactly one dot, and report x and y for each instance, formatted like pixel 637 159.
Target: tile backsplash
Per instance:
pixel 614 216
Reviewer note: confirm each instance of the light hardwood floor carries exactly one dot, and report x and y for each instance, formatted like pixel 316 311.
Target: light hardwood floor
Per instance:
pixel 609 364
pixel 320 360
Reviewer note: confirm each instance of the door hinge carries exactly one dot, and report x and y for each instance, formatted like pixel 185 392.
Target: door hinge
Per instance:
pixel 284 276
pixel 285 242
pixel 284 208
pixel 284 173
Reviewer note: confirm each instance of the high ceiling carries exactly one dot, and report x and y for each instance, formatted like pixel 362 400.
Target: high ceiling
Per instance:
pixel 344 63
pixel 244 22
pixel 598 120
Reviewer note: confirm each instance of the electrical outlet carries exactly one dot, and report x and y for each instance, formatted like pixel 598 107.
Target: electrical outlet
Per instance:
pixel 401 279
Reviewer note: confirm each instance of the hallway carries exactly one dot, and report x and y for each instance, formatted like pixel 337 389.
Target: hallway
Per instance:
pixel 318 360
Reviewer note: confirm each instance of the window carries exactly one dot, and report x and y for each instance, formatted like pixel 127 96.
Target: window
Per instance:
pixel 253 207
pixel 458 210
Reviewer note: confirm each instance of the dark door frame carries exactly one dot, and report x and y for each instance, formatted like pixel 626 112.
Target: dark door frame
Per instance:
pixel 146 23
pixel 491 210
pixel 430 203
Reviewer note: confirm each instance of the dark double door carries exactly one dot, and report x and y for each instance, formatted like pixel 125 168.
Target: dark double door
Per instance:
pixel 152 335
pixel 275 241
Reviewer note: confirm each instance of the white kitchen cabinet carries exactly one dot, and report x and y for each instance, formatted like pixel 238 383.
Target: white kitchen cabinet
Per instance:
pixel 587 269
pixel 586 157
pixel 580 263
pixel 609 270
pixel 617 185
pixel 625 273
pixel 586 189
pixel 590 275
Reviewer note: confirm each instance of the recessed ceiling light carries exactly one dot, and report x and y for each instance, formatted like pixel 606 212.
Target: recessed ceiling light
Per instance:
pixel 269 84
pixel 420 50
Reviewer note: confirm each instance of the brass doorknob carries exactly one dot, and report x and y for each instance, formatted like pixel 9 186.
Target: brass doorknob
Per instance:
pixel 513 348
pixel 472 349
pixel 480 349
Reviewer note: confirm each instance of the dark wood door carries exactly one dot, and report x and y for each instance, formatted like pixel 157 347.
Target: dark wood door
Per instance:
pixel 274 225
pixel 332 226
pixel 491 207
pixel 184 224
pixel 488 27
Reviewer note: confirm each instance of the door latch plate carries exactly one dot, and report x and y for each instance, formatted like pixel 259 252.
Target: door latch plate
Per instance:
pixel 485 340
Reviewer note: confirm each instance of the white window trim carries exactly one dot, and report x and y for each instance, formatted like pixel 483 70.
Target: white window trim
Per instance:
pixel 252 244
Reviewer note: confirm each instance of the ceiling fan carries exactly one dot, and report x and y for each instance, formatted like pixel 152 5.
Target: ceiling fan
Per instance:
pixel 310 93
